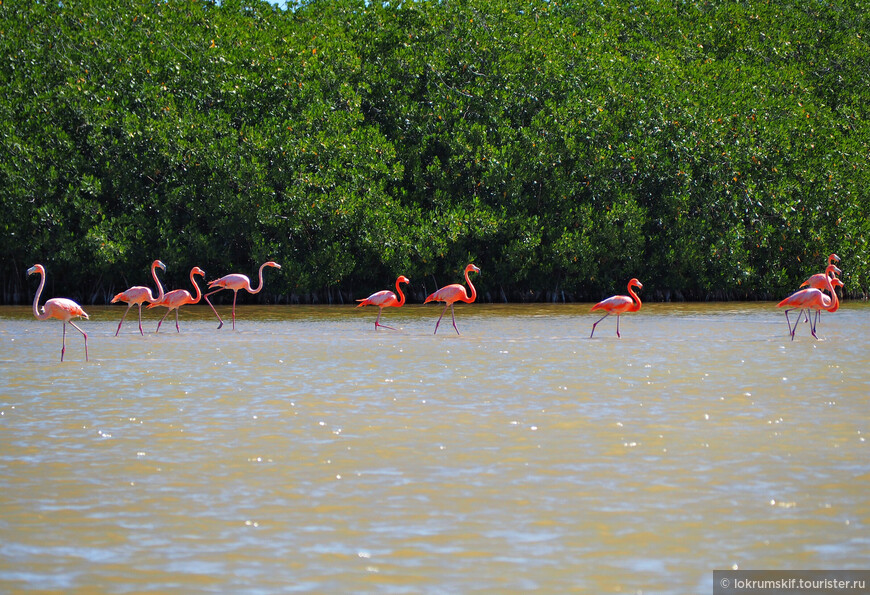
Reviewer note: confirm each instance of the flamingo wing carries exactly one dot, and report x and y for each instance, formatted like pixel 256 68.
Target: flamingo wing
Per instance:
pixel 134 295
pixel 234 281
pixel 382 298
pixel 817 281
pixel 63 309
pixel 449 294
pixel 805 298
pixel 174 299
pixel 616 304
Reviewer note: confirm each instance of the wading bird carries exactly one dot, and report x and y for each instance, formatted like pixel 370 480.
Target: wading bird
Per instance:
pixel 60 308
pixel 618 304
pixel 139 294
pixel 236 282
pixel 385 299
pixel 834 283
pixel 178 298
pixel 453 293
pixel 811 299
pixel 818 280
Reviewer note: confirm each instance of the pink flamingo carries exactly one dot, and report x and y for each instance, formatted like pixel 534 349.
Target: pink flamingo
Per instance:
pixel 178 298
pixel 384 299
pixel 453 293
pixel 139 294
pixel 811 299
pixel 60 308
pixel 818 281
pixel 236 282
pixel 618 304
pixel 834 283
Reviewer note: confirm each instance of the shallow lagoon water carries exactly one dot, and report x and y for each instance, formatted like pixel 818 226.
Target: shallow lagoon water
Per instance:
pixel 306 452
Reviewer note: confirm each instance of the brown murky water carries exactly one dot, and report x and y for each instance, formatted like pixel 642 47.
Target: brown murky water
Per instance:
pixel 307 452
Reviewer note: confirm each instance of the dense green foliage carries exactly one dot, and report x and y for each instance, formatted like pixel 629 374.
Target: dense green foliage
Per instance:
pixel 710 148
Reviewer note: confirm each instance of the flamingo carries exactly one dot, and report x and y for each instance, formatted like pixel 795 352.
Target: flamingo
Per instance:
pixel 177 298
pixel 818 280
pixel 834 283
pixel 453 293
pixel 236 282
pixel 384 299
pixel 61 308
pixel 811 299
pixel 139 294
pixel 618 304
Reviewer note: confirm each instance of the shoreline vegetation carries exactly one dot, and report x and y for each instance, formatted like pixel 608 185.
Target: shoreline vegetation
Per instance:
pixel 715 150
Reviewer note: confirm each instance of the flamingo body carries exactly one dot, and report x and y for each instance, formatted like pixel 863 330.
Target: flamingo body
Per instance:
pixel 451 294
pixel 236 281
pixel 137 295
pixel 811 299
pixel 818 280
pixel 177 298
pixel 385 299
pixel 62 309
pixel 618 304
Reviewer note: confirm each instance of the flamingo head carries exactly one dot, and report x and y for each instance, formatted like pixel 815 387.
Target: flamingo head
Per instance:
pixel 197 271
pixel 833 258
pixel 37 268
pixel 472 268
pixel 832 268
pixel 158 263
pixel 634 282
pixel 402 279
pixel 272 263
pixel 837 282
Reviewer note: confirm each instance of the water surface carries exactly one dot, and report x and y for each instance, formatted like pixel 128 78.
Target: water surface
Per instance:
pixel 306 452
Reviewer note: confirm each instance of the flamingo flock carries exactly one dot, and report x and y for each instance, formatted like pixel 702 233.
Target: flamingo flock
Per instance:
pixel 813 298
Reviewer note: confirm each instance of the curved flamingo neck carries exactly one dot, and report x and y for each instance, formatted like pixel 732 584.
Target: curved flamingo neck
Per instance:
pixel 260 286
pixel 473 297
pixel 44 315
pixel 835 301
pixel 159 297
pixel 401 295
pixel 195 286
pixel 635 297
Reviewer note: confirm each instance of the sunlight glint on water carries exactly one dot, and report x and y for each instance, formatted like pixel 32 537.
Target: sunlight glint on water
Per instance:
pixel 305 451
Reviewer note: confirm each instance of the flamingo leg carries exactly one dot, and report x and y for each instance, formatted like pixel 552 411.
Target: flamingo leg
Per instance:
pixel 161 321
pixel 123 317
pixel 141 332
pixel 63 342
pixel 235 295
pixel 177 330
pixel 215 311
pixel 378 321
pixel 596 324
pixel 454 319
pixel 790 331
pixel 617 327
pixel 439 318
pixel 84 334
